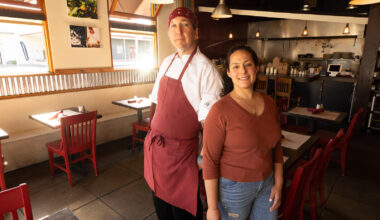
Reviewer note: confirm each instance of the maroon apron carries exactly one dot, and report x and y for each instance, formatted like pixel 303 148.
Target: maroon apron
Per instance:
pixel 171 146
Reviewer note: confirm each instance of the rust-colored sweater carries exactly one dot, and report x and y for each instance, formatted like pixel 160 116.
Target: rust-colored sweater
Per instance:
pixel 238 145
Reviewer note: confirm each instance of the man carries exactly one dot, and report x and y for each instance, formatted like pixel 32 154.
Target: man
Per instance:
pixel 186 87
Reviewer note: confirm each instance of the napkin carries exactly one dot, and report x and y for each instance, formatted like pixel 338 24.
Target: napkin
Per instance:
pixel 315 111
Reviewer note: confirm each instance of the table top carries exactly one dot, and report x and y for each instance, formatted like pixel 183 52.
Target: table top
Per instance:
pixel 134 103
pixel 64 214
pixel 326 115
pixel 294 145
pixel 3 134
pixel 52 119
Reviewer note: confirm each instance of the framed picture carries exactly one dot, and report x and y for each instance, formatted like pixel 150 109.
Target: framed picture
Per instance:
pixel 82 8
pixel 92 39
pixel 78 36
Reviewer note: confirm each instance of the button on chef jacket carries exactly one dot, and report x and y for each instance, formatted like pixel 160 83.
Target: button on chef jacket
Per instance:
pixel 201 81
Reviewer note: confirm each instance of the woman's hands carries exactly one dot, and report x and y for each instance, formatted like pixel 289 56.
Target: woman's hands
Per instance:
pixel 275 195
pixel 213 214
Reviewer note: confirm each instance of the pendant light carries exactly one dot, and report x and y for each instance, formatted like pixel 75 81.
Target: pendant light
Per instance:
pixel 364 2
pixel 305 31
pixel 346 29
pixel 258 32
pixel 305 6
pixel 230 36
pixel 221 11
pixel 162 2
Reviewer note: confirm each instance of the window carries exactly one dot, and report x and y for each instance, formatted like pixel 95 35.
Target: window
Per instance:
pixel 22 47
pixel 133 50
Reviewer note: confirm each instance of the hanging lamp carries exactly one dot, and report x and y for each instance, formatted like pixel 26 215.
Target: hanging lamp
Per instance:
pixel 162 2
pixel 364 2
pixel 221 11
pixel 258 32
pixel 305 6
pixel 305 32
pixel 346 29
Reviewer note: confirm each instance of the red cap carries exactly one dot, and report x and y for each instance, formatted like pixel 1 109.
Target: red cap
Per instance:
pixel 184 12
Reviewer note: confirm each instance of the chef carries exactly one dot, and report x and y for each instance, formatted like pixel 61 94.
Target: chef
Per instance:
pixel 187 85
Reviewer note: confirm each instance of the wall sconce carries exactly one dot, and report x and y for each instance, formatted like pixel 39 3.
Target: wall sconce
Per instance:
pixel 346 29
pixel 230 36
pixel 305 6
pixel 258 31
pixel 305 32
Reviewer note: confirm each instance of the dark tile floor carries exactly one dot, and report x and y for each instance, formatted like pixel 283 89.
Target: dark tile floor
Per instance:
pixel 120 192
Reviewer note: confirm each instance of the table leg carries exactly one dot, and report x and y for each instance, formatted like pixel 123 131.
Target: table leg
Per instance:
pixel 139 114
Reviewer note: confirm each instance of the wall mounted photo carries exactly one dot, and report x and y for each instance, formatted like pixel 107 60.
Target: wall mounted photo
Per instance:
pixel 78 36
pixel 93 39
pixel 82 8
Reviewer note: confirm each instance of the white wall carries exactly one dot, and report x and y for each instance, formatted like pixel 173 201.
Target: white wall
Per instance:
pixel 66 57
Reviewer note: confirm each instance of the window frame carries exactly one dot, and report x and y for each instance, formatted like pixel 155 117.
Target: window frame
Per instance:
pixel 134 32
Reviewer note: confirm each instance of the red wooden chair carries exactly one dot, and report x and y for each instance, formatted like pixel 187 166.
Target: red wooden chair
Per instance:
pixel 78 133
pixel 343 145
pixel 294 200
pixel 2 180
pixel 282 106
pixel 143 125
pixel 13 199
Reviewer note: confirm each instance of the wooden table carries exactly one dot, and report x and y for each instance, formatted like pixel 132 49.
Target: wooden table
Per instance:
pixel 3 135
pixel 64 214
pixel 328 116
pixel 295 145
pixel 136 103
pixel 49 120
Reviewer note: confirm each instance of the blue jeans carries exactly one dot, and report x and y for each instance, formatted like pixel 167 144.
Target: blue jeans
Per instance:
pixel 246 200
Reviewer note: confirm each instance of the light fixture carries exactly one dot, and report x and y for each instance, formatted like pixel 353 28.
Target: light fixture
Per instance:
pixel 230 36
pixel 364 2
pixel 350 7
pixel 20 7
pixel 162 2
pixel 258 32
pixel 305 31
pixel 221 11
pixel 346 29
pixel 305 6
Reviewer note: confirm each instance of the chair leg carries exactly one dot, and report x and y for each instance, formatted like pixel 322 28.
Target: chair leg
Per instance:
pixel 343 158
pixel 68 171
pixel 313 202
pixel 51 162
pixel 133 137
pixel 94 163
pixel 322 193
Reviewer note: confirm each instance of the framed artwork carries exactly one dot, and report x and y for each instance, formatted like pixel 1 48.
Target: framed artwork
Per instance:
pixel 82 8
pixel 78 36
pixel 92 39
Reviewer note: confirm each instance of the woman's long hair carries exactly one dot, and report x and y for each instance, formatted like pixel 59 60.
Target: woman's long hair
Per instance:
pixel 228 86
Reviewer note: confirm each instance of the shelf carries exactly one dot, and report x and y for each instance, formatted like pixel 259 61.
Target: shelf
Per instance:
pixel 322 59
pixel 306 38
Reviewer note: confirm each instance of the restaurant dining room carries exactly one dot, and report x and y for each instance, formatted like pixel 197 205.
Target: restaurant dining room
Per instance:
pixel 189 109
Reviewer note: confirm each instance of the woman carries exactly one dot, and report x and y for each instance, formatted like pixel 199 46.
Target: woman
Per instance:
pixel 242 164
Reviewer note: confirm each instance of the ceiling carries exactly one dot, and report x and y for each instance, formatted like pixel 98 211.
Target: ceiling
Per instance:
pixel 322 7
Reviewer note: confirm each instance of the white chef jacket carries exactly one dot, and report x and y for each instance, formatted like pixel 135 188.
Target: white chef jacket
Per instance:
pixel 201 81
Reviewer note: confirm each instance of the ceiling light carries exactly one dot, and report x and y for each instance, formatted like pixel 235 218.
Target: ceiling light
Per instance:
pixel 346 29
pixel 350 7
pixel 364 2
pixel 257 34
pixel 230 36
pixel 162 2
pixel 305 31
pixel 305 6
pixel 19 6
pixel 221 11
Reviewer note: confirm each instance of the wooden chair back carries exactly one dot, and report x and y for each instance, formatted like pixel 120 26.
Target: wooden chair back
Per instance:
pixel 283 88
pixel 261 84
pixel 16 198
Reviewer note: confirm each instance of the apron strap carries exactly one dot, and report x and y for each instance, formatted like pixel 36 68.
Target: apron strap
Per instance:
pixel 185 67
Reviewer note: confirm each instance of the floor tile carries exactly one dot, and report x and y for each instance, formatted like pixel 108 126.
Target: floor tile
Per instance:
pixel 348 208
pixel 135 161
pixel 96 210
pixel 153 216
pixel 59 197
pixel 133 201
pixel 113 178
